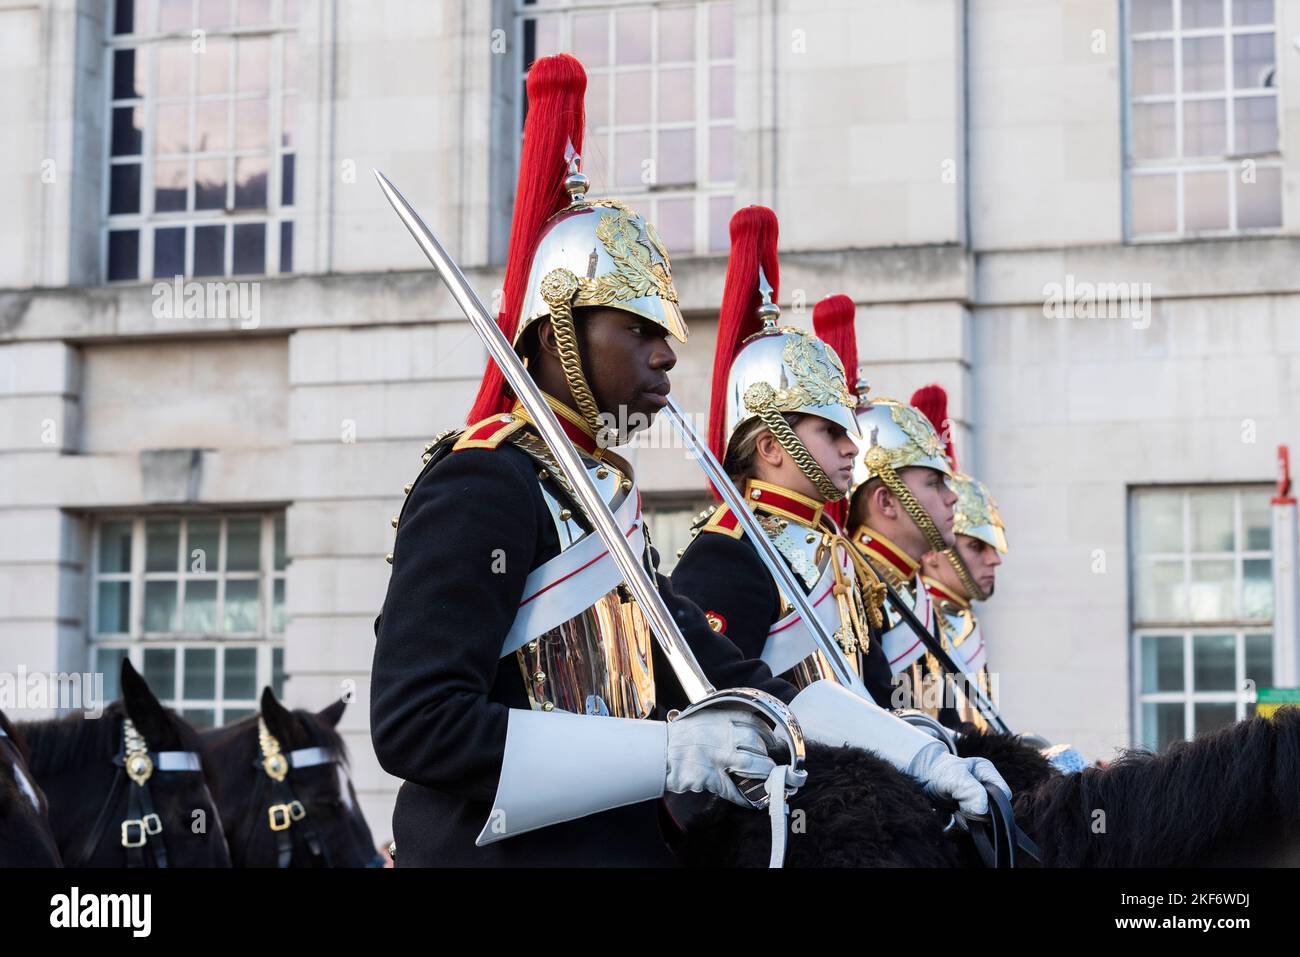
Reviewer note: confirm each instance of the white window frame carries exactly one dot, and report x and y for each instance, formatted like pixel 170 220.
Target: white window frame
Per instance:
pixel 1242 695
pixel 1230 164
pixel 146 42
pixel 703 191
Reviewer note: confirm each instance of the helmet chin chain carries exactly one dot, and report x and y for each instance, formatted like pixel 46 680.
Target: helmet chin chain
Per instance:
pixel 558 289
pixel 963 574
pixel 760 400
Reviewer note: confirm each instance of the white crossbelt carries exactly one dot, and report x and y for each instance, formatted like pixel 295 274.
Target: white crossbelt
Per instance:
pixel 789 640
pixel 574 580
pixel 901 644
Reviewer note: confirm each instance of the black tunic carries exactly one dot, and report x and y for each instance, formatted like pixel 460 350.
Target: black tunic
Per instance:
pixel 472 529
pixel 726 577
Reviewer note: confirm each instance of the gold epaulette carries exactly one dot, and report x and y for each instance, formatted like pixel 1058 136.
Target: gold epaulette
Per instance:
pixel 490 432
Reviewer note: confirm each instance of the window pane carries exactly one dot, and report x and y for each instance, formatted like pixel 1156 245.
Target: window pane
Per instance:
pixel 174 15
pixel 1252 12
pixel 1254 122
pixel 172 129
pixel 200 717
pixel 632 37
pixel 286 179
pixel 214 68
pixel 1149 15
pixel 1161 595
pixel 720 209
pixel 1203 65
pixel 1253 61
pixel 203 544
pixel 253 65
pixel 1211 594
pixel 254 13
pixel 123 22
pixel 214 13
pixel 114 608
pixel 1259 204
pixel 128 130
pixel 124 188
pixel 1154 135
pixel 289 119
pixel 1155 204
pixel 676 157
pixel 169 252
pixel 1162 663
pixel 676 224
pixel 250 249
pixel 174 63
pixel 676 95
pixel 1210 716
pixel 1159 522
pixel 631 153
pixel 250 187
pixel 169 189
pixel 722 95
pixel 123 254
pixel 251 124
pixel 241 673
pixel 1162 724
pixel 281 558
pixel 1198 14
pixel 1257 588
pixel 243 610
pixel 720 29
pixel 632 97
pixel 676 34
pixel 200 677
pixel 212 126
pixel 209 187
pixel 1214 663
pixel 200 606
pixel 128 74
pixel 286 247
pixel 277 672
pixel 591 38
pixel 1256 521
pixel 1205 200
pixel 160 671
pixel 722 163
pixel 1153 67
pixel 1211 517
pixel 115 547
pixel 277 606
pixel 108 662
pixel 1205 131
pixel 243 541
pixel 289 70
pixel 597 106
pixel 209 250
pixel 162 545
pixel 1259 660
pixel 160 606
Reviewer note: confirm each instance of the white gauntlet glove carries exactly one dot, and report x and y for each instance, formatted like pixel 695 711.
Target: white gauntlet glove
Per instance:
pixel 959 779
pixel 705 745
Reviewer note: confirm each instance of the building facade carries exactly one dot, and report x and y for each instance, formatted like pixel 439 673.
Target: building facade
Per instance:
pixel 1080 217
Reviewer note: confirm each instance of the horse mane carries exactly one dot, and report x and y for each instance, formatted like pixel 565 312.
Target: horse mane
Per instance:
pixel 77 740
pixel 1229 796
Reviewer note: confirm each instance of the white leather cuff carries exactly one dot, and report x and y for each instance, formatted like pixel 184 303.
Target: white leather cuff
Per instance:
pixel 560 766
pixel 831 714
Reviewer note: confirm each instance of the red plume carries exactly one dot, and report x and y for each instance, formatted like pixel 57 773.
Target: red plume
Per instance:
pixel 753 243
pixel 833 324
pixel 556 86
pixel 932 402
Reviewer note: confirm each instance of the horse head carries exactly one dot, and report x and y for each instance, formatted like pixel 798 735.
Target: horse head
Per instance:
pixel 25 836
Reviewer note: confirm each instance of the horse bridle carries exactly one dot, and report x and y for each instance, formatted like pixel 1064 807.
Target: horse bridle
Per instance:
pixel 142 828
pixel 286 815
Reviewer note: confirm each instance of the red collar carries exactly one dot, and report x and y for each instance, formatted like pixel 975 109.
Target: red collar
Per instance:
pixel 943 594
pixel 883 550
pixel 571 422
pixel 783 502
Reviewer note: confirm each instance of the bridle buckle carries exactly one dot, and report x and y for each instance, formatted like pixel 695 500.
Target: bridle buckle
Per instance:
pixel 138 838
pixel 280 816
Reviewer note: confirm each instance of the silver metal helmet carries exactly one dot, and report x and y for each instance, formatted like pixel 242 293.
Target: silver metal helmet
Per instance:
pixel 600 253
pixel 895 436
pixel 976 513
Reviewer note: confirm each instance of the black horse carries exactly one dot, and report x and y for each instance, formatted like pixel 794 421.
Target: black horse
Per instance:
pixel 25 836
pixel 1229 798
pixel 127 789
pixel 282 785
